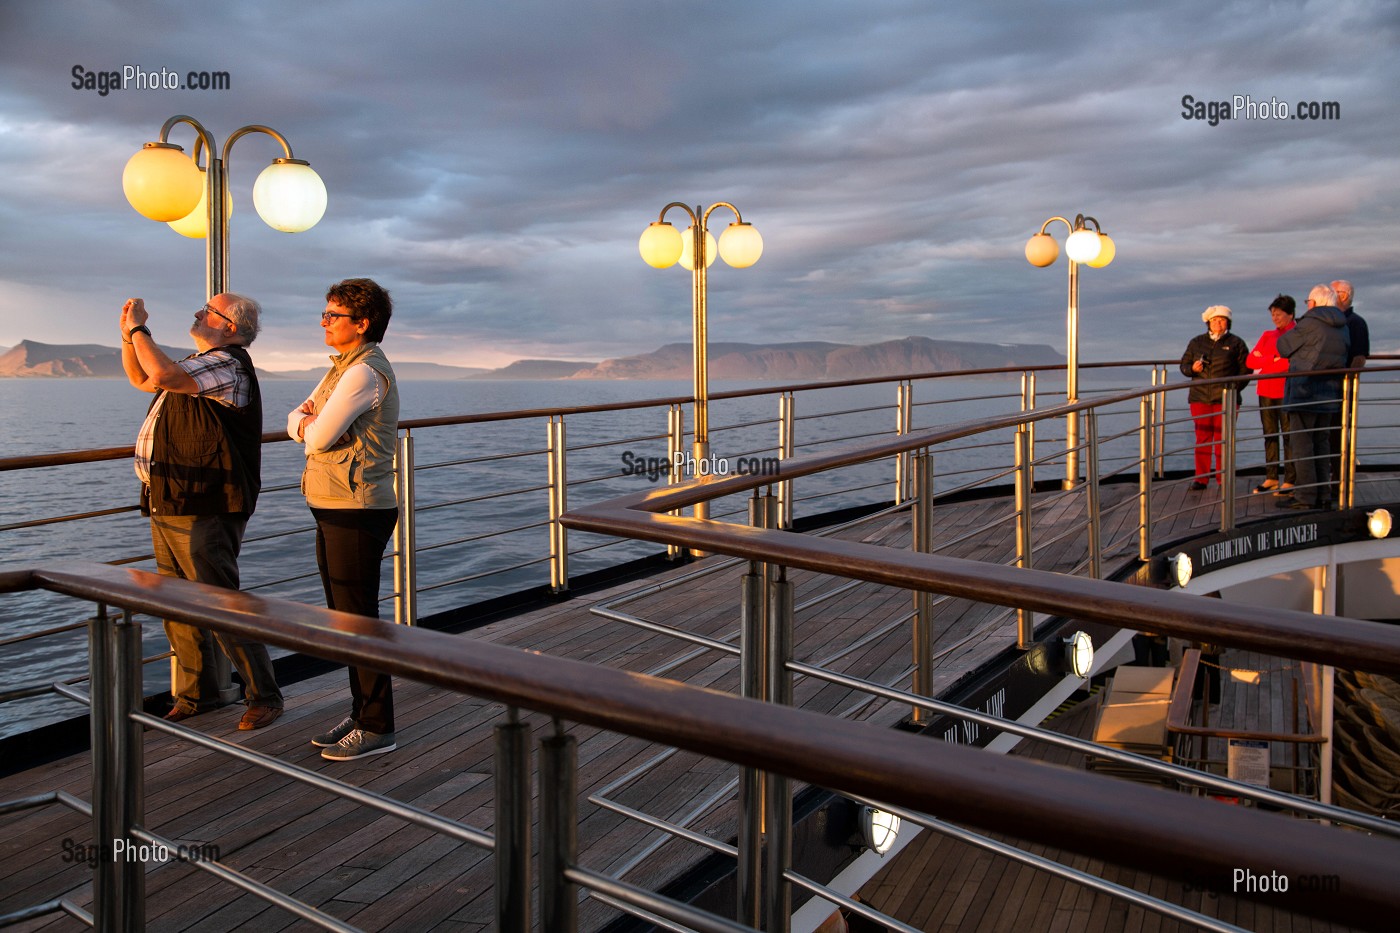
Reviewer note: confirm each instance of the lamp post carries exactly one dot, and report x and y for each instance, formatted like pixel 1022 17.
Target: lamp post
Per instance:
pixel 1087 247
pixel 661 246
pixel 164 184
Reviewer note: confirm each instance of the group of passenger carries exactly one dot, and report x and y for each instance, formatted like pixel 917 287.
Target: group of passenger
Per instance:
pixel 198 456
pixel 1300 414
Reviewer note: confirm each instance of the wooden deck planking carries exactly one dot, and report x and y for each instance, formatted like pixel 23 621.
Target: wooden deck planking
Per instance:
pixel 376 871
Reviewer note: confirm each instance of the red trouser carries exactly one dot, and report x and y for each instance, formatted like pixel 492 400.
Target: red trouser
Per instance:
pixel 1208 434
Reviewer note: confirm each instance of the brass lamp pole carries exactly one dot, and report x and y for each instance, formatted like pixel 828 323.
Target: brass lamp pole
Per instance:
pixel 661 246
pixel 1083 246
pixel 164 184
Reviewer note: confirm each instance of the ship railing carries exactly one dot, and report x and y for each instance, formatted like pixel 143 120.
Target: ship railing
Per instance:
pixel 1176 836
pixel 485 524
pixel 766 627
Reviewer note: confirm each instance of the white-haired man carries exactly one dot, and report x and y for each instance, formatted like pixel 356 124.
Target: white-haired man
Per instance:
pixel 199 459
pixel 1319 341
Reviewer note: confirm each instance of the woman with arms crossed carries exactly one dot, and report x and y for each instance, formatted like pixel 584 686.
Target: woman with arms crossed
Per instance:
pixel 349 426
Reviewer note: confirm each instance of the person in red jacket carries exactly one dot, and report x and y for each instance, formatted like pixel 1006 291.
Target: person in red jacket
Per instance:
pixel 1264 360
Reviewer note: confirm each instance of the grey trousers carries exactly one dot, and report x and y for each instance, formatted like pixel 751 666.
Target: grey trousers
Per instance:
pixel 204 548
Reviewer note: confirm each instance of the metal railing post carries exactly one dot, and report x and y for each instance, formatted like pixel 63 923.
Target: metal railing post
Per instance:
pixel 1146 431
pixel 1025 619
pixel 753 684
pixel 1028 404
pixel 131 764
pixel 558 505
pixel 922 543
pixel 558 830
pixel 512 825
pixel 903 420
pixel 1228 416
pixel 778 899
pixel 1091 440
pixel 675 438
pixel 787 437
pixel 118 774
pixel 406 536
pixel 1346 483
pixel 1159 404
pixel 106 809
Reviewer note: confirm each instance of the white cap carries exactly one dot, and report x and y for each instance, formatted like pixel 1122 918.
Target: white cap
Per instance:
pixel 1215 311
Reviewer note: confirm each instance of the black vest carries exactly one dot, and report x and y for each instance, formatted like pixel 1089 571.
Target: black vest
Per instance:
pixel 206 458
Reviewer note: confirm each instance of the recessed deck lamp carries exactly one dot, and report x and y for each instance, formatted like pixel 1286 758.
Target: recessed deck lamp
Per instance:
pixel 878 829
pixel 1079 650
pixel 1378 523
pixel 1180 566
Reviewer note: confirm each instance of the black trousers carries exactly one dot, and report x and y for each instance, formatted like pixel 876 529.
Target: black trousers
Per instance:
pixel 349 550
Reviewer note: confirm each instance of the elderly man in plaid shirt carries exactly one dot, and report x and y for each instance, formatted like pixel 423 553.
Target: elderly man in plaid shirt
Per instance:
pixel 199 459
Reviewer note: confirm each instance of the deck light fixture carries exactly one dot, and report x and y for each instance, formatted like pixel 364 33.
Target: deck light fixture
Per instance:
pixel 1180 566
pixel 163 183
pixel 879 829
pixel 1084 247
pixel 662 246
pixel 1378 523
pixel 1079 649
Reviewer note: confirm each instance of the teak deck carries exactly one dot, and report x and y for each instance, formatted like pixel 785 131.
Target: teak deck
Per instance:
pixel 376 872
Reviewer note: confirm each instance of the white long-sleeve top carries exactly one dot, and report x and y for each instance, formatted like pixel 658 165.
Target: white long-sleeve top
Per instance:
pixel 359 390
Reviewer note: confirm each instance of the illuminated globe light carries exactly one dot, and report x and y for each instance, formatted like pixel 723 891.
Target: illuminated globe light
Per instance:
pixel 1042 250
pixel 879 830
pixel 289 196
pixel 740 245
pixel 1106 252
pixel 161 182
pixel 195 224
pixel 660 245
pixel 1083 246
pixel 688 249
pixel 1378 523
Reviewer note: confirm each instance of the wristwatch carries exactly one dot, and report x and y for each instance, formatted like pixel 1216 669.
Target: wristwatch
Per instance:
pixel 139 327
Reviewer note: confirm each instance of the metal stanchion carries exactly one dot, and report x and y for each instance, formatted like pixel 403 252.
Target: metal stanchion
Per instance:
pixel 787 437
pixel 1146 432
pixel 1025 619
pixel 1229 412
pixel 753 684
pixel 922 543
pixel 558 505
pixel 513 825
pixel 558 830
pixel 131 765
pixel 406 536
pixel 1091 491
pixel 903 421
pixel 778 896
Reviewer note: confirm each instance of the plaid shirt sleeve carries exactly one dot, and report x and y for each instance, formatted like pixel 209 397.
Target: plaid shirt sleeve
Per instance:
pixel 219 377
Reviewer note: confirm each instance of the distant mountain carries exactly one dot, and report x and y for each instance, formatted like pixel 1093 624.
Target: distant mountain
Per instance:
pixel 823 361
pixel 797 362
pixel 418 372
pixel 30 358
pixel 536 369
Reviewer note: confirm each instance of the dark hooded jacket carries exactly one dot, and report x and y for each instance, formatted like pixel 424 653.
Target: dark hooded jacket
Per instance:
pixel 1319 341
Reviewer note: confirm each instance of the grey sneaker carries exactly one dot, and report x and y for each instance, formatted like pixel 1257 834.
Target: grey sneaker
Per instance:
pixel 360 744
pixel 335 734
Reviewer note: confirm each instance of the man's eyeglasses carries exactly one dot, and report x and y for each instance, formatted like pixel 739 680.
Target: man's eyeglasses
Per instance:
pixel 328 316
pixel 208 309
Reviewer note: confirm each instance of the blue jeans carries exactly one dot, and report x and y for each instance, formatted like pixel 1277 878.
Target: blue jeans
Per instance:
pixel 204 548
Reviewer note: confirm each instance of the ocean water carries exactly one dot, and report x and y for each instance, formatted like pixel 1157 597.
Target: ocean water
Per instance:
pixel 482 504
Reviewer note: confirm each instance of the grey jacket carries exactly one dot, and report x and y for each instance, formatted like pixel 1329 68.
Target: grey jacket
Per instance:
pixel 1320 341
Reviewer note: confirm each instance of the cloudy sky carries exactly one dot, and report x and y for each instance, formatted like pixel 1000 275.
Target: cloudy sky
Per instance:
pixel 493 164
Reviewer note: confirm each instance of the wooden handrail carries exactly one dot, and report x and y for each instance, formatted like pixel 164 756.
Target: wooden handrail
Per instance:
pixel 1174 835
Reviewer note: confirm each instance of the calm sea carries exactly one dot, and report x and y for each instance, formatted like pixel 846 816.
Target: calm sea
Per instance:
pixel 481 489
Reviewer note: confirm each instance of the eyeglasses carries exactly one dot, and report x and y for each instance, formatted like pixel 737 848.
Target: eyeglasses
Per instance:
pixel 328 316
pixel 207 309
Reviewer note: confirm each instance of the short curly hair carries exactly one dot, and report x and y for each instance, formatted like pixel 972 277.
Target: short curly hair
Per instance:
pixel 365 300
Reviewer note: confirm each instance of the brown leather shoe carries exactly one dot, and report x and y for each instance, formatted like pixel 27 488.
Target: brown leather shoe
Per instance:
pixel 177 714
pixel 258 716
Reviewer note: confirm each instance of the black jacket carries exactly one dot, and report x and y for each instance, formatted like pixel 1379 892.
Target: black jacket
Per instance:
pixel 1223 357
